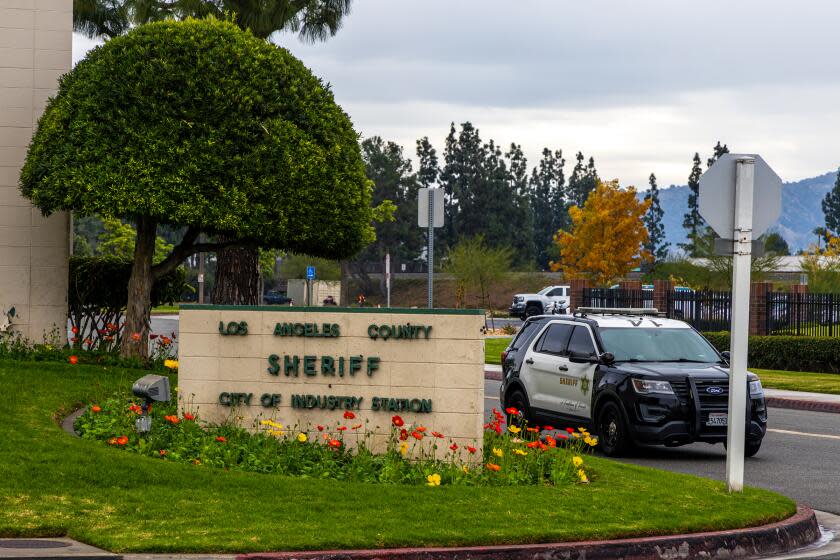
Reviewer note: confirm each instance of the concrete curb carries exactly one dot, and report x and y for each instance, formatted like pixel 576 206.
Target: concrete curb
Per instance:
pixel 776 538
pixel 774 402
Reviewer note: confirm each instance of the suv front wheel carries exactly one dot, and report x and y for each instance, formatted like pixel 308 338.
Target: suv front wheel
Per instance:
pixel 611 427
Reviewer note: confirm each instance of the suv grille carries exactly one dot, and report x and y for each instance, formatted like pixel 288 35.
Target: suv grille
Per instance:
pixel 712 396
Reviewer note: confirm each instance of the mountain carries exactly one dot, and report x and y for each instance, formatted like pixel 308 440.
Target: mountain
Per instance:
pixel 801 210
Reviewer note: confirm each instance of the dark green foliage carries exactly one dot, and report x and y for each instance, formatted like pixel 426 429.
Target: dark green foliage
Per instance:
pixel 793 353
pixel 656 245
pixel 520 215
pixel 774 243
pixel 548 203
pixel 717 151
pixel 95 18
pixel 199 124
pixel 692 222
pixel 831 207
pixel 583 180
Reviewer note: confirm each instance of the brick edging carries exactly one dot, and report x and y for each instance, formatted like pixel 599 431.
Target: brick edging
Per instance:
pixel 493 375
pixel 799 404
pixel 797 531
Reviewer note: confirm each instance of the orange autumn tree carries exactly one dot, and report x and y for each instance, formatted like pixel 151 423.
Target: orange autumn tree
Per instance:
pixel 607 236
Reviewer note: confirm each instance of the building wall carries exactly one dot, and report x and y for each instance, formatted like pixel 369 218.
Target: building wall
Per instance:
pixel 447 368
pixel 35 49
pixel 320 290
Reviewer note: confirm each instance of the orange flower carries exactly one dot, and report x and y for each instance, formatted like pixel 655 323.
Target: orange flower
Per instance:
pixel 418 435
pixel 166 340
pixel 112 441
pixel 437 434
pixel 188 416
pixel 122 440
pixel 357 426
pixel 533 444
pixel 349 415
pixel 421 429
pixel 96 408
pixel 73 360
pixel 172 419
pixel 493 467
pixel 162 452
pixel 334 443
pixel 136 408
pixel 221 439
pixel 533 429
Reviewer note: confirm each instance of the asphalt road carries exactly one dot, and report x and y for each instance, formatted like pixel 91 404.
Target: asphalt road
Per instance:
pixel 800 456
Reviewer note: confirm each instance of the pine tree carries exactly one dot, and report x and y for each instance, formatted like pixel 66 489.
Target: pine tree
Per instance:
pixel 549 204
pixel 831 207
pixel 583 180
pixel 656 245
pixel 717 151
pixel 692 222
pixel 522 235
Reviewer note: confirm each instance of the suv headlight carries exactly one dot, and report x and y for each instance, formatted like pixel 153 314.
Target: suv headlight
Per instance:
pixel 648 386
pixel 755 388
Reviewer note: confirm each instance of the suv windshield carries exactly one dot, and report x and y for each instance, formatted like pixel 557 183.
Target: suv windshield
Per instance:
pixel 544 291
pixel 657 345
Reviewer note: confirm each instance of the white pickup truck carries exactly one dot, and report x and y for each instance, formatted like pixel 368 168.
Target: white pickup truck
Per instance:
pixel 553 299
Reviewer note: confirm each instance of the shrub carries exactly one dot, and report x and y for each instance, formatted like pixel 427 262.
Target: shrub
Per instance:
pixel 793 353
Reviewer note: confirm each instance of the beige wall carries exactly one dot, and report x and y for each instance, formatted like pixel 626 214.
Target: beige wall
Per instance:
pixel 320 290
pixel 447 368
pixel 35 49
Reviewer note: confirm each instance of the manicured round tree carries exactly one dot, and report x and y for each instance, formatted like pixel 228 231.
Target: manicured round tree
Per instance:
pixel 201 125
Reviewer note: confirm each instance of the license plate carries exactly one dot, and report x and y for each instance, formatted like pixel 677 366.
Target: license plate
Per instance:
pixel 717 419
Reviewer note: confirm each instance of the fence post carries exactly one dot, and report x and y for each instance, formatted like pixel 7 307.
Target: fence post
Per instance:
pixel 576 293
pixel 661 292
pixel 758 307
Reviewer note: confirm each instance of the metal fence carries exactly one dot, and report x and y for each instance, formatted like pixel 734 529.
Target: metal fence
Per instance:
pixel 706 311
pixel 615 297
pixel 803 314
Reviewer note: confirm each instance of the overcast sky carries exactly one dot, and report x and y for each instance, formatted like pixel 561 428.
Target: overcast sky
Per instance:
pixel 639 84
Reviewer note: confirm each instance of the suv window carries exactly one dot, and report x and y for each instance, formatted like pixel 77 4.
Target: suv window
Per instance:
pixel 555 339
pixel 555 292
pixel 581 342
pixel 526 333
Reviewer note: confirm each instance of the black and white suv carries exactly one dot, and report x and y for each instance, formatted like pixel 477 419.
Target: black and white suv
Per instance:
pixel 629 377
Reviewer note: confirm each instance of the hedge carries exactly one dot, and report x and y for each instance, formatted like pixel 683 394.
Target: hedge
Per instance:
pixel 792 353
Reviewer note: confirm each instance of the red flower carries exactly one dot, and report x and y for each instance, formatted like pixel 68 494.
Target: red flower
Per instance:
pixel 471 449
pixel 357 426
pixel 334 443
pixel 73 360
pixel 397 421
pixel 454 447
pixel 136 337
pixel 494 467
pixel 320 428
pixel 421 429
pixel 74 339
pixel 417 435
pixel 166 340
pixel 551 441
pixel 437 434
pixel 403 434
pixel 162 452
pixel 188 416
pixel 549 428
pixel 122 440
pixel 221 439
pixel 512 410
pixel 562 436
pixel 75 330
pixel 342 428
pixel 136 408
pixel 152 336
pixel 96 408
pixel 172 419
pixel 570 430
pixel 533 429
pixel 349 415
pixel 534 444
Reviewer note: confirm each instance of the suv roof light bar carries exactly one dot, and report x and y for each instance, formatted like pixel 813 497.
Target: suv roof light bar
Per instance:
pixel 642 311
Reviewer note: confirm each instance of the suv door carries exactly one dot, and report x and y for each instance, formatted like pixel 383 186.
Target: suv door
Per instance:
pixel 544 364
pixel 582 356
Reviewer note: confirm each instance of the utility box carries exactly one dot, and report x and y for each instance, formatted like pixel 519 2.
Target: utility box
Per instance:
pixel 321 289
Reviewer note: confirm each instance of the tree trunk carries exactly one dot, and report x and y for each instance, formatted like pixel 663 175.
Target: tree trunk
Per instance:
pixel 135 340
pixel 237 276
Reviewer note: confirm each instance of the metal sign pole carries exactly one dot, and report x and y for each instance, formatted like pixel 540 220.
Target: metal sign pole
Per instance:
pixel 736 425
pixel 388 279
pixel 431 248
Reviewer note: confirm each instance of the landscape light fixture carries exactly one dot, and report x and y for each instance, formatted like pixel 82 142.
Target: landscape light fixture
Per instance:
pixel 151 388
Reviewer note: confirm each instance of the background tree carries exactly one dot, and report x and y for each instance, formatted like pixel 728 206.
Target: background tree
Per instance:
pixel 294 266
pixel 118 240
pixel 774 243
pixel 717 151
pixel 583 180
pixel 521 213
pixel 238 266
pixel 548 201
pixel 831 207
pixel 607 236
pixel 656 245
pixel 822 266
pixel 475 266
pixel 264 152
pixel 692 222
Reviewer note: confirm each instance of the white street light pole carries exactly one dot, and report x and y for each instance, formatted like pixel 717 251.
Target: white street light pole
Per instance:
pixel 741 265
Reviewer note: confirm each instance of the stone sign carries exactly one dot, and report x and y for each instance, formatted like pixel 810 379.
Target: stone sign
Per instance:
pixel 305 366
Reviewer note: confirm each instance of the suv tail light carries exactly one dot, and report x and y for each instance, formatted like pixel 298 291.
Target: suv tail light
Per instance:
pixel 504 355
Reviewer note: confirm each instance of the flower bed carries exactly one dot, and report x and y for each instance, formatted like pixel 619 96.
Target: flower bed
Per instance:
pixel 513 452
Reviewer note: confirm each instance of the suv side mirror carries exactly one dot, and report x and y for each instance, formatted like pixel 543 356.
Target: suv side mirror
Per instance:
pixel 725 354
pixel 607 358
pixel 581 358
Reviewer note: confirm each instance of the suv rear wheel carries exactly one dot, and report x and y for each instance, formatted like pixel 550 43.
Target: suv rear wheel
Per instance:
pixel 613 438
pixel 519 401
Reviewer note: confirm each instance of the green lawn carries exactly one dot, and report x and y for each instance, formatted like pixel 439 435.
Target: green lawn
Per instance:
pixel 493 349
pixel 166 309
pixel 799 380
pixel 54 484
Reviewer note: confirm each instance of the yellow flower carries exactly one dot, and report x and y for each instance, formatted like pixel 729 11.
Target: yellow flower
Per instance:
pixel 498 452
pixel 276 433
pixel 265 422
pixel 520 452
pixel 577 461
pixel 171 364
pixel 582 430
pixel 577 435
pixel 302 437
pixel 465 469
pixel 514 429
pixel 403 448
pixel 582 476
pixel 590 441
pixel 434 480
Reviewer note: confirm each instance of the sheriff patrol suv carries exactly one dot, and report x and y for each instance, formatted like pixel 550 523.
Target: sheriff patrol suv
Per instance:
pixel 630 376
